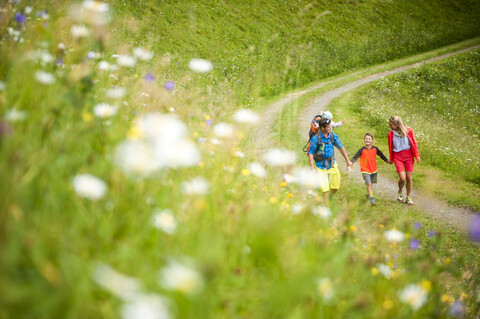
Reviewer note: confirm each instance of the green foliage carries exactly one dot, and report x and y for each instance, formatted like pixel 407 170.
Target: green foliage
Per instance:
pixel 250 246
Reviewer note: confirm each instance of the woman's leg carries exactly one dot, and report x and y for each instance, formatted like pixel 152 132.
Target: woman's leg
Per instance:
pixel 401 182
pixel 409 182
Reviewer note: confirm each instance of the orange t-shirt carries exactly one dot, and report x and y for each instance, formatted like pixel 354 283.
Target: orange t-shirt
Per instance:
pixel 368 159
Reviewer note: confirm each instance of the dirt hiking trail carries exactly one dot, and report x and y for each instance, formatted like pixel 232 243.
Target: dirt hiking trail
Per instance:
pixel 458 218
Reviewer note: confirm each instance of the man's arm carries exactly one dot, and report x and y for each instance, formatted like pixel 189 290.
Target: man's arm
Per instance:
pixel 345 155
pixel 311 162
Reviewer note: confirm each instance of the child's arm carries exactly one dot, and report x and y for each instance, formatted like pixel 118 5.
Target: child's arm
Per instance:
pixel 357 155
pixel 382 156
pixel 337 124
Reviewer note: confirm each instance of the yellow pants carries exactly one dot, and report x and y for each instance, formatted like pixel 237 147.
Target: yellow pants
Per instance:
pixel 330 178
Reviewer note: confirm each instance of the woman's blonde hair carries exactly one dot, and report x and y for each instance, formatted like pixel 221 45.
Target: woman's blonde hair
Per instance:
pixel 397 121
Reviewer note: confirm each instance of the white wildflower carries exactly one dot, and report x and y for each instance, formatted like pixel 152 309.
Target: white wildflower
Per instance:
pixel 45 77
pixel 385 270
pixel 89 186
pixel 116 92
pixel 239 154
pixel 92 12
pixel 297 209
pixel 181 153
pixel 200 65
pixel 246 116
pixel 126 60
pixel 289 178
pixel 145 306
pixel 79 31
pixel 257 169
pixel 104 110
pixel 142 54
pixel 14 115
pixel 322 211
pixel 394 236
pixel 155 126
pixel 136 158
pixel 414 295
pixel 308 178
pixel 325 288
pixel 115 282
pixel 197 186
pixel 223 130
pixel 166 221
pixel 180 277
pixel 104 65
pixel 279 157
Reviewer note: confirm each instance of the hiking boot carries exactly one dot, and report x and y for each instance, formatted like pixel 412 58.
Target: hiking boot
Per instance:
pixel 372 201
pixel 409 200
pixel 400 197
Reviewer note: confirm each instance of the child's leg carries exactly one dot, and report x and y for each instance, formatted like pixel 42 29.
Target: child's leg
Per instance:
pixel 369 190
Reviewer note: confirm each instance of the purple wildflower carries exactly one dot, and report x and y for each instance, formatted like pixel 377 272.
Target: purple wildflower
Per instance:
pixel 417 225
pixel 20 18
pixel 474 230
pixel 431 233
pixel 169 86
pixel 414 244
pixel 149 77
pixel 59 62
pixel 208 122
pixel 457 309
pixel 42 14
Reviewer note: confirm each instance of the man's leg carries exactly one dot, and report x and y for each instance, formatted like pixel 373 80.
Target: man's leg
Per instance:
pixel 369 190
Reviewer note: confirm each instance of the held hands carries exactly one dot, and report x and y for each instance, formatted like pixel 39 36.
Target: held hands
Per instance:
pixel 389 162
pixel 418 159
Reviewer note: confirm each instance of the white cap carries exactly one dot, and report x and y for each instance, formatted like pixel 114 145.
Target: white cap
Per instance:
pixel 327 115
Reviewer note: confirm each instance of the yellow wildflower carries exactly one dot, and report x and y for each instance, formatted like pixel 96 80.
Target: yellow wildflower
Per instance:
pixel 87 116
pixel 374 271
pixel 272 200
pixel 387 304
pixel 245 172
pixel 426 284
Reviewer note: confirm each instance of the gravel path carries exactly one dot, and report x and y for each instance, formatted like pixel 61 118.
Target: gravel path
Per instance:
pixel 458 218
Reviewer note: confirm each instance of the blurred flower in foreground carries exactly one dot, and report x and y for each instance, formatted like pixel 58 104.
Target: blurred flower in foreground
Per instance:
pixel 169 85
pixel 431 233
pixel 325 288
pixel 180 277
pixel 92 12
pixel 142 54
pixel 307 177
pixel 322 211
pixel 79 31
pixel 417 225
pixel 115 282
pixel 126 60
pixel 414 295
pixel 116 92
pixel 14 115
pixel 297 209
pixel 223 130
pixel 104 110
pixel 279 157
pixel 136 158
pixel 257 169
pixel 474 230
pixel 200 65
pixel 457 309
pixel 246 116
pixel 166 221
pixel 89 186
pixel 394 236
pixel 145 306
pixel 45 77
pixel 414 244
pixel 385 270
pixel 20 18
pixel 197 186
pixel 149 77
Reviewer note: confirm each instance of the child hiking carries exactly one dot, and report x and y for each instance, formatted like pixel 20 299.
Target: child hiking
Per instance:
pixel 368 164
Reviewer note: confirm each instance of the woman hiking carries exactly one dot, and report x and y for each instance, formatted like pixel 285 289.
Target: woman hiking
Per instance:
pixel 403 149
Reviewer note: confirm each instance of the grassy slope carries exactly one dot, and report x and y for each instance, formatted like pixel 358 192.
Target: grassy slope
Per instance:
pixel 255 257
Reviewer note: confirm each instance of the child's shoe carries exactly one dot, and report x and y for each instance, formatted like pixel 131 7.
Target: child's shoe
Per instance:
pixel 372 201
pixel 409 200
pixel 400 197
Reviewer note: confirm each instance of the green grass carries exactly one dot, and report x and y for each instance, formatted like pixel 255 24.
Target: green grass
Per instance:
pixel 253 256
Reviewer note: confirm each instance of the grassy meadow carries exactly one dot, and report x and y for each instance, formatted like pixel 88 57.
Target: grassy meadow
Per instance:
pixel 127 192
